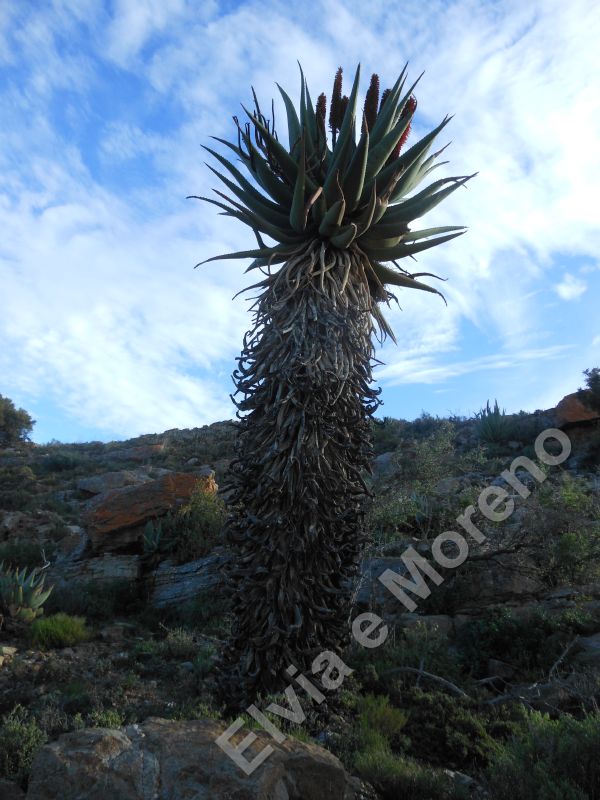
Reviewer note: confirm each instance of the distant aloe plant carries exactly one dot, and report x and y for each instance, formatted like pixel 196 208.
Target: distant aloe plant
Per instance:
pixel 336 214
pixel 493 424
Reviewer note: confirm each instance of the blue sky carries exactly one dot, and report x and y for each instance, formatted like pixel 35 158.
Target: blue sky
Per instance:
pixel 107 332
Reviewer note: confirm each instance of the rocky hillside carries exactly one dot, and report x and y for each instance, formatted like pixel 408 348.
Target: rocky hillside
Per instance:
pixel 120 665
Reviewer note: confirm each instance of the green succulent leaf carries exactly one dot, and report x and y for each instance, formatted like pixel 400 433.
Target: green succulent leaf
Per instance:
pixel 297 215
pixel 294 129
pixel 344 237
pixel 388 276
pixel 385 118
pixel 333 218
pixel 402 250
pixel 354 179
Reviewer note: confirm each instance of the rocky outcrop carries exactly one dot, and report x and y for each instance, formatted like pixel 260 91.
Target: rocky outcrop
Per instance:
pixel 35 526
pixel 139 453
pixel 108 481
pixel 105 568
pixel 115 519
pixel 572 409
pixel 164 759
pixel 172 585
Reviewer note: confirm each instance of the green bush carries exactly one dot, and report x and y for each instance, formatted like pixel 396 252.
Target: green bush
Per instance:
pixel 59 630
pixel 387 433
pixel 400 513
pixel 426 426
pixel 575 494
pixel 432 456
pixel 396 777
pixel 449 729
pixel 62 460
pixel 204 661
pixel 591 395
pixel 18 553
pixel 20 738
pixel 79 697
pixel 575 557
pixel 17 488
pixel 106 718
pixel 16 500
pixel 551 760
pixel 95 600
pixel 180 643
pixel 198 527
pixel 15 423
pixel 375 714
pixel 417 647
pixel 530 644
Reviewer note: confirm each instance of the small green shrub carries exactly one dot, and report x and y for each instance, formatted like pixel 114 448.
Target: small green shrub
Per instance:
pixel 17 488
pixel 396 777
pixel 198 527
pixel 146 650
pixel 204 661
pixel 96 600
pixel 59 630
pixel 20 738
pixel 551 760
pixel 180 643
pixel 432 456
pixel 106 718
pixel 79 697
pixel 61 460
pixel 15 423
pixel 376 714
pixel 426 425
pixel 16 500
pixel 530 644
pixel 591 395
pixel 575 494
pixel 400 513
pixel 418 647
pixel 575 557
pixel 449 729
pixel 18 553
pixel 208 613
pixel 387 434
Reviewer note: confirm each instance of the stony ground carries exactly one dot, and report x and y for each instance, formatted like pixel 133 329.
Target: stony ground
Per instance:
pixel 515 630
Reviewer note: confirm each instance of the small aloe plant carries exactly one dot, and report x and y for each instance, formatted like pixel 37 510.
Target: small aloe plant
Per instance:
pixel 22 594
pixel 152 538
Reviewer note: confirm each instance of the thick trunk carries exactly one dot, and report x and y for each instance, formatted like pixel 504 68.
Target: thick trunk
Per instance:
pixel 296 528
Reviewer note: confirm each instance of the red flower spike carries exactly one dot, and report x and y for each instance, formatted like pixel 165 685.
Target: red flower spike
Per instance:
pixel 384 97
pixel 321 110
pixel 372 101
pixel 409 109
pixel 336 100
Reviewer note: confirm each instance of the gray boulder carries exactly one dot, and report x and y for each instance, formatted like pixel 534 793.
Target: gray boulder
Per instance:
pixel 169 760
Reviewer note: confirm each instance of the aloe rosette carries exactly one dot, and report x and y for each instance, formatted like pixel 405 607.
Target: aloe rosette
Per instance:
pixel 22 593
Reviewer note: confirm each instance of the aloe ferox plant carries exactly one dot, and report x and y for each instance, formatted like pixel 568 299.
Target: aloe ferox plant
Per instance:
pixel 337 211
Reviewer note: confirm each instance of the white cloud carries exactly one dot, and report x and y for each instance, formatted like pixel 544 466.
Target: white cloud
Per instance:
pixel 101 304
pixel 570 287
pixel 426 369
